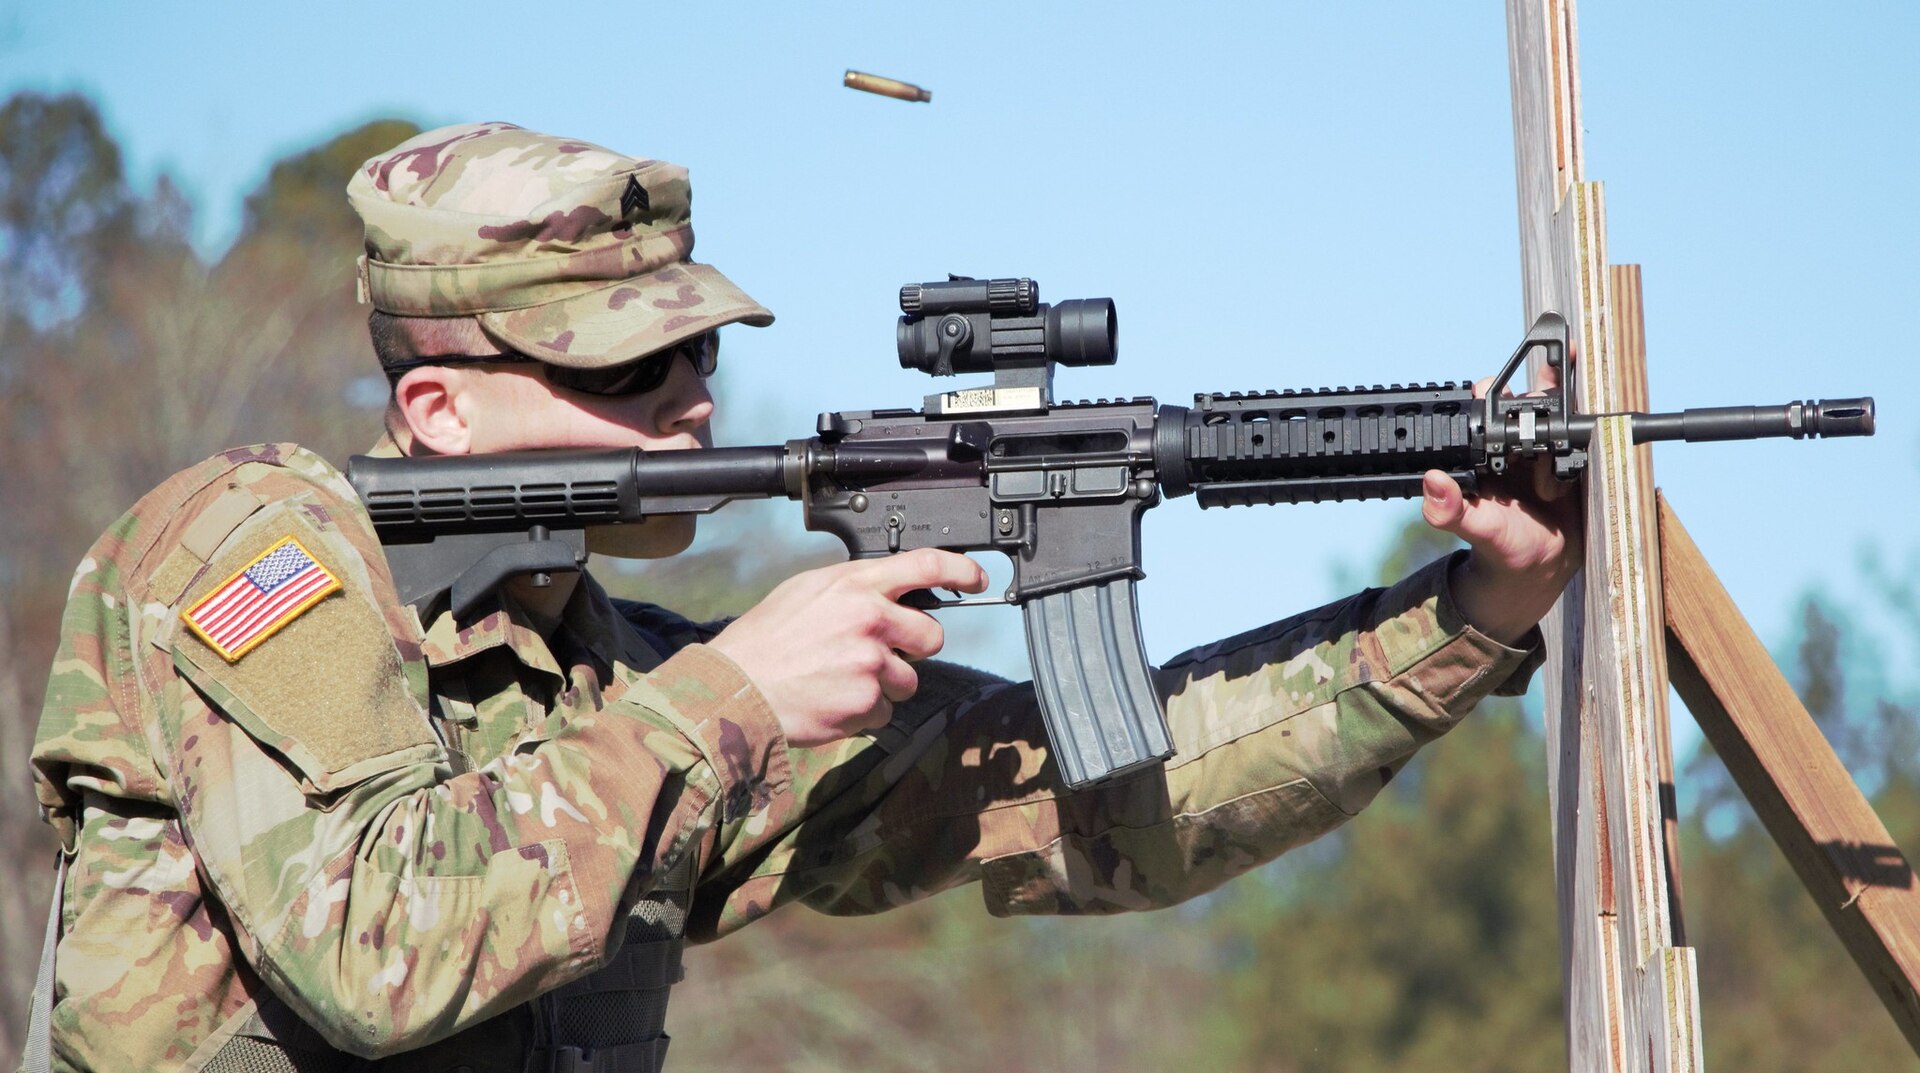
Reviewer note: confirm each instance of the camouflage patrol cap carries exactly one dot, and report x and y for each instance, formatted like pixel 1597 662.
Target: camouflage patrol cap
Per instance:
pixel 564 251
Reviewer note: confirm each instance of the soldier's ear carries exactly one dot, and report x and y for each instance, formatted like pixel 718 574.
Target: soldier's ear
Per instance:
pixel 429 400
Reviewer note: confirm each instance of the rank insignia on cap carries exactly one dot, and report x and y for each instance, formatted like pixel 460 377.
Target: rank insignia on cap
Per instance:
pixel 252 605
pixel 635 197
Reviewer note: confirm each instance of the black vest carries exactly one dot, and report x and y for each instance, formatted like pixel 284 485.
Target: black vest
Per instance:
pixel 612 1021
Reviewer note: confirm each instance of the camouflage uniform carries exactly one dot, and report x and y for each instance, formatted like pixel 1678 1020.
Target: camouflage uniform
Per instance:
pixel 388 837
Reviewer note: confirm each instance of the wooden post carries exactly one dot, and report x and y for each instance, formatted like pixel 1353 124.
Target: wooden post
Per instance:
pixel 1631 996
pixel 1798 787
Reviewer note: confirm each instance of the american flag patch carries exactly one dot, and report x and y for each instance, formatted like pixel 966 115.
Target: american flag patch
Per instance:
pixel 251 605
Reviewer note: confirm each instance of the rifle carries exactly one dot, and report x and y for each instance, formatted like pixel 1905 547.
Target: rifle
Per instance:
pixel 1059 487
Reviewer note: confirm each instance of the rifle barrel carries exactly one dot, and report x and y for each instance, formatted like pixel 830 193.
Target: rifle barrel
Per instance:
pixel 1795 420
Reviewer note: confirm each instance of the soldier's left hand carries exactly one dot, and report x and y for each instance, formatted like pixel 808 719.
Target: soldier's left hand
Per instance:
pixel 1525 533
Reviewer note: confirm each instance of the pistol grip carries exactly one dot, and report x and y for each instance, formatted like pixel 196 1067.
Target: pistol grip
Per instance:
pixel 1097 698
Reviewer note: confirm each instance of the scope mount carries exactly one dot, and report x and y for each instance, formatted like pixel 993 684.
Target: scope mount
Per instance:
pixel 1022 383
pixel 1014 391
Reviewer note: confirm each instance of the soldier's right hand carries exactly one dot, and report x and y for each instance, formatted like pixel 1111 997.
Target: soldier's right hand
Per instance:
pixel 832 649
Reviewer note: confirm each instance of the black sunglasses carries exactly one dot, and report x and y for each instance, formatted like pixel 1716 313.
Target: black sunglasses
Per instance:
pixel 628 378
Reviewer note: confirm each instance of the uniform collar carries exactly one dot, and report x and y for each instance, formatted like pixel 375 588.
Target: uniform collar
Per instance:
pixel 590 629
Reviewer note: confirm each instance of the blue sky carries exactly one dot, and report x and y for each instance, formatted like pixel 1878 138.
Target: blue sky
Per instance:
pixel 1275 196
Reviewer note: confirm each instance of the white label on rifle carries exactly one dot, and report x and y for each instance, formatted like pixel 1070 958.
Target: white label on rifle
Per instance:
pixel 983 399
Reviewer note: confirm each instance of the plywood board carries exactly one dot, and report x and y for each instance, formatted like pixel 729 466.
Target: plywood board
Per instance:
pixel 1603 770
pixel 1630 355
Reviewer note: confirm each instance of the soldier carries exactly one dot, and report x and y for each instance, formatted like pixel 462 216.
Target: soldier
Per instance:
pixel 308 830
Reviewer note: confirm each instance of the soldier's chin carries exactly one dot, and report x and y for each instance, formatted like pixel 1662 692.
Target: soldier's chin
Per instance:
pixel 655 538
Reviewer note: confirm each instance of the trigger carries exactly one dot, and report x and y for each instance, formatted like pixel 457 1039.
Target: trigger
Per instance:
pixel 922 599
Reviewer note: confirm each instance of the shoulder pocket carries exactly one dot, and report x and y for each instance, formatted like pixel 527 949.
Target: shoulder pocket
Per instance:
pixel 281 634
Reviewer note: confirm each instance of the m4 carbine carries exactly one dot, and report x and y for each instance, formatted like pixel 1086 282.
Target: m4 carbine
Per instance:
pixel 1058 487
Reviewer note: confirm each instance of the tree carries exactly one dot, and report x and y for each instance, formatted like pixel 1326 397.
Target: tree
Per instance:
pixel 62 203
pixel 62 198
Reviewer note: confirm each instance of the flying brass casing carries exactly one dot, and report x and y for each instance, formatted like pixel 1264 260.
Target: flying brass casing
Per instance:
pixel 887 87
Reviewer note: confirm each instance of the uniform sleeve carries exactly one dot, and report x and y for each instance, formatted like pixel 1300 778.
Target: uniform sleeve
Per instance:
pixel 387 900
pixel 1282 734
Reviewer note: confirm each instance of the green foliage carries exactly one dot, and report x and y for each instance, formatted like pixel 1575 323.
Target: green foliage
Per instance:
pixel 1430 942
